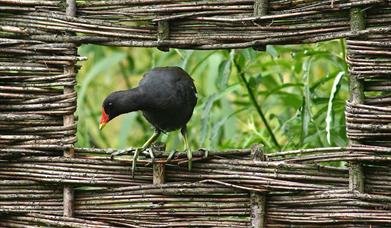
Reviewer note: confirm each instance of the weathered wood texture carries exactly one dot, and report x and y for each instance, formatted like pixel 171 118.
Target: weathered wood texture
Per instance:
pixel 69 120
pixel 193 24
pixel 37 55
pixel 216 193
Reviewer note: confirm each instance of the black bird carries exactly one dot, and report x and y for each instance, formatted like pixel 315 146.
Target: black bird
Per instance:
pixel 165 95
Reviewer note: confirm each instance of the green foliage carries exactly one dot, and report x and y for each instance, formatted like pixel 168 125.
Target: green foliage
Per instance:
pixel 300 90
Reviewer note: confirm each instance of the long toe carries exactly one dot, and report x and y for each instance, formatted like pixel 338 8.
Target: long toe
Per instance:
pixel 190 159
pixel 151 154
pixel 116 153
pixel 121 152
pixel 170 156
pixel 134 160
pixel 206 154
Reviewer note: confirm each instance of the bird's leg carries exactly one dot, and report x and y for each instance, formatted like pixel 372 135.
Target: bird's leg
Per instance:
pixel 206 154
pixel 170 156
pixel 187 147
pixel 148 143
pixel 122 152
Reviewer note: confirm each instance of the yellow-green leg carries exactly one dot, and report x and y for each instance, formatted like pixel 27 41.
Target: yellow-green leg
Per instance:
pixel 187 147
pixel 147 144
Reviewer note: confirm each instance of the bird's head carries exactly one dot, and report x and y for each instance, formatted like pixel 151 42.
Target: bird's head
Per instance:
pixel 110 109
pixel 118 103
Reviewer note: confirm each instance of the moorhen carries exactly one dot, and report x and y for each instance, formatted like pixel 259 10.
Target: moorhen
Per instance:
pixel 165 95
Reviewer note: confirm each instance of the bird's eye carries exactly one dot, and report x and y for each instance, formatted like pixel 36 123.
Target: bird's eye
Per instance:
pixel 110 104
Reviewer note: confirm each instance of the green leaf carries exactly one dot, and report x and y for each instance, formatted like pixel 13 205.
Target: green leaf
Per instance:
pixel 272 51
pixel 218 126
pixel 281 87
pixel 306 109
pixel 207 108
pixel 205 117
pixel 200 62
pixel 249 54
pixel 329 116
pixel 223 75
pixel 224 72
pixel 186 59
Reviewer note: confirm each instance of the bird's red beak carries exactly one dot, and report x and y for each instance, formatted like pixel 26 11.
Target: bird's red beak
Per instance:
pixel 103 120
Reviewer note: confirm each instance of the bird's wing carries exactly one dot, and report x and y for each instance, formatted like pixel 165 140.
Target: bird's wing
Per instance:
pixel 164 89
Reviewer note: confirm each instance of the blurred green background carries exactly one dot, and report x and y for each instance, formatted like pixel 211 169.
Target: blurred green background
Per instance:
pixel 300 90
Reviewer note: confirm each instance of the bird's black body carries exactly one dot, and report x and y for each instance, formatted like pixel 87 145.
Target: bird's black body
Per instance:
pixel 165 95
pixel 171 96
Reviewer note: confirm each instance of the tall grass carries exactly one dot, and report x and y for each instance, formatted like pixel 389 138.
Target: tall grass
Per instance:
pixel 288 97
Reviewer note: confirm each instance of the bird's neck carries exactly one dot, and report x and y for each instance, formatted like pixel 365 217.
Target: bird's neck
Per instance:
pixel 132 100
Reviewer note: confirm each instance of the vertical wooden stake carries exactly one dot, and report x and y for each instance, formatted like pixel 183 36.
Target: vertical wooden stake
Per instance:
pixel 356 177
pixel 356 172
pixel 68 194
pixel 159 169
pixel 261 8
pixel 159 173
pixel 163 33
pixel 257 200
pixel 68 121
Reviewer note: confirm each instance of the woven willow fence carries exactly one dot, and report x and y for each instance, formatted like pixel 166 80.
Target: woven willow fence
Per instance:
pixel 41 186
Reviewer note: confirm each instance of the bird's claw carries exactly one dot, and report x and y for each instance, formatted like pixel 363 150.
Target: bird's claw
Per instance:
pixel 121 152
pixel 151 154
pixel 190 159
pixel 137 152
pixel 206 154
pixel 134 160
pixel 170 156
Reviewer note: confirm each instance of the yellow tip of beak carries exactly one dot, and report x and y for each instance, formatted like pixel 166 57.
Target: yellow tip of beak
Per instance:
pixel 101 126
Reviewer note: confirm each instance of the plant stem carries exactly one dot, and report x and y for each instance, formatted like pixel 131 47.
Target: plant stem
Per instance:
pixel 256 105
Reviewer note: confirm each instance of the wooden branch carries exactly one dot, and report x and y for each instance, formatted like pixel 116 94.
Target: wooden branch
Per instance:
pixel 69 120
pixel 258 200
pixel 356 173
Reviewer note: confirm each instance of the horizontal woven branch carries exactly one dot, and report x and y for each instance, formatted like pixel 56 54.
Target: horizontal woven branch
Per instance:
pixel 280 174
pixel 249 174
pixel 369 61
pixel 215 193
pixel 179 203
pixel 32 99
pixel 192 24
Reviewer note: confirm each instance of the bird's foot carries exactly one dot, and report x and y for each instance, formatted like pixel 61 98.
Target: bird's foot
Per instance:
pixel 121 152
pixel 206 154
pixel 137 152
pixel 189 158
pixel 134 160
pixel 170 156
pixel 147 144
pixel 152 156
